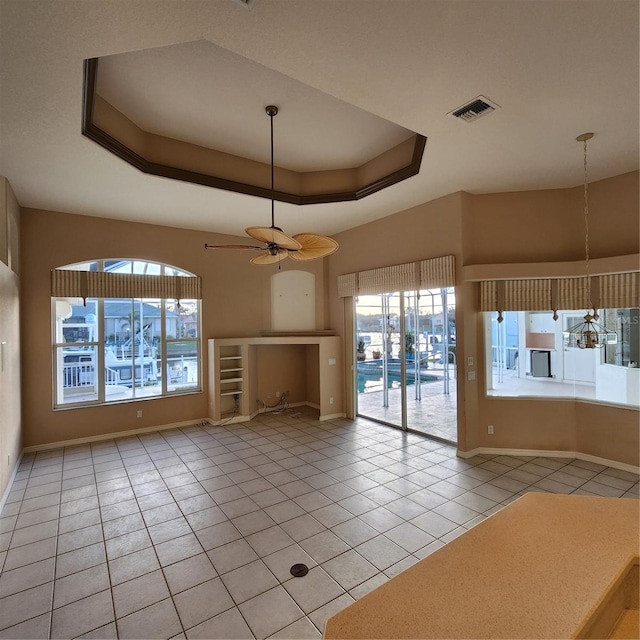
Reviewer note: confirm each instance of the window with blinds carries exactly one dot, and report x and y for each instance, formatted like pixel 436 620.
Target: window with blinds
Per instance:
pixel 620 290
pixel 527 348
pixel 124 330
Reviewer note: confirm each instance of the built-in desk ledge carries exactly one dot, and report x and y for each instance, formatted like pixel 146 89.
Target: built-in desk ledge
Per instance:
pixel 289 334
pixel 546 566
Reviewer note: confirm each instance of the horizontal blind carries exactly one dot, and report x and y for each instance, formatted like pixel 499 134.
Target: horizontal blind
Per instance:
pixel 438 272
pixel 620 291
pixel 66 283
pixel 348 285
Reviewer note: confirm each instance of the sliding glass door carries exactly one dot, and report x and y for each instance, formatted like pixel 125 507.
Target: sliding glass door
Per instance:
pixel 379 375
pixel 406 363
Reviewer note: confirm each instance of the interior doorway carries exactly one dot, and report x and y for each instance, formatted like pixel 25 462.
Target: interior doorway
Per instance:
pixel 406 361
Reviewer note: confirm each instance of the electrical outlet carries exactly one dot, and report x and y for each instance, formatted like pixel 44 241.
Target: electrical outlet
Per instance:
pixel 277 394
pixel 490 429
pixel 139 413
pixel 331 400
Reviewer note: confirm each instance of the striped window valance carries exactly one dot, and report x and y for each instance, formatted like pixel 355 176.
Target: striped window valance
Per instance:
pixel 438 272
pixel 617 291
pixel 348 285
pixel 411 276
pixel 67 283
pixel 527 295
pixel 515 295
pixel 572 293
pixel 399 277
pixel 620 290
pixel 489 295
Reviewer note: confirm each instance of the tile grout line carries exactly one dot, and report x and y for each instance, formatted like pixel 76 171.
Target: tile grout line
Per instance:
pixel 288 448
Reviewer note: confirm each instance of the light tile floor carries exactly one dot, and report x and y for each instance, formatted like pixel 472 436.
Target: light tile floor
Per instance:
pixel 191 532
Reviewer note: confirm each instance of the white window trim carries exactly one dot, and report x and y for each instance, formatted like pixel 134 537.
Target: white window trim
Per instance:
pixel 99 346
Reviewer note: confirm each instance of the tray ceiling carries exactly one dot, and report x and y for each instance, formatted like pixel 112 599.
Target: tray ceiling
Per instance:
pixel 556 69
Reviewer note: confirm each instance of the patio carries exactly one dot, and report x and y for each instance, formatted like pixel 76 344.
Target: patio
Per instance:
pixel 435 414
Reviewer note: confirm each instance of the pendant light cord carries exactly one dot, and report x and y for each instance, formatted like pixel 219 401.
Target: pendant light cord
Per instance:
pixel 273 224
pixel 586 228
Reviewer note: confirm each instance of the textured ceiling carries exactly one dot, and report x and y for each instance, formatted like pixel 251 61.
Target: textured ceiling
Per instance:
pixel 556 69
pixel 203 94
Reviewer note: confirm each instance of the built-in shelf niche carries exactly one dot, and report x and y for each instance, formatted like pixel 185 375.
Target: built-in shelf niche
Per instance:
pixel 245 374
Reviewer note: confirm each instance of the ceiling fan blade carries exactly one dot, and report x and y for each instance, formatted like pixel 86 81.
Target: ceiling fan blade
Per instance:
pixel 267 258
pixel 243 247
pixel 271 235
pixel 314 246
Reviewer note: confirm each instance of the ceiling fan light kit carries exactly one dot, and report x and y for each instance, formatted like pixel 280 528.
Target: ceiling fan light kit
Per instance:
pixel 278 244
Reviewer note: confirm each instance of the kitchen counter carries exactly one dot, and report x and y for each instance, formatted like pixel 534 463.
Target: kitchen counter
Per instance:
pixel 543 567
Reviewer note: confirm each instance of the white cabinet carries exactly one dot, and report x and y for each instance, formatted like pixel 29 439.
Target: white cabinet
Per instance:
pixel 541 323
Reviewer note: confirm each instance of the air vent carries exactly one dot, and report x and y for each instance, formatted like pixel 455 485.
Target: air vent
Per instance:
pixel 475 109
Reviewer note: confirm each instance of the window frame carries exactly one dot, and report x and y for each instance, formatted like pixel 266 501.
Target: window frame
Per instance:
pixel 99 341
pixel 599 385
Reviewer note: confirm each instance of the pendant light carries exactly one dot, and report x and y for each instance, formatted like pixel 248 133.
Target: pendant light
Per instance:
pixel 588 334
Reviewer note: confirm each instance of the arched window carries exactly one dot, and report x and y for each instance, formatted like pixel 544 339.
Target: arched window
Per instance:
pixel 124 330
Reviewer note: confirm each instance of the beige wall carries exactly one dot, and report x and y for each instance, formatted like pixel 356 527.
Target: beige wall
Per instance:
pixel 496 229
pixel 10 392
pixel 493 229
pixel 548 226
pixel 281 368
pixel 235 303
pixel 606 432
pixel 602 431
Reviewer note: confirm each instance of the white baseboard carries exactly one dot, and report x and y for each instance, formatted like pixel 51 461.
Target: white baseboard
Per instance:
pixel 333 416
pixel 111 436
pixel 292 405
pixel 277 408
pixel 7 489
pixel 226 421
pixel 176 425
pixel 329 416
pixel 257 412
pixel 549 454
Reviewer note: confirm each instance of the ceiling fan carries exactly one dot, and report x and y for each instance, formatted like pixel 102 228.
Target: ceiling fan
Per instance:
pixel 277 244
